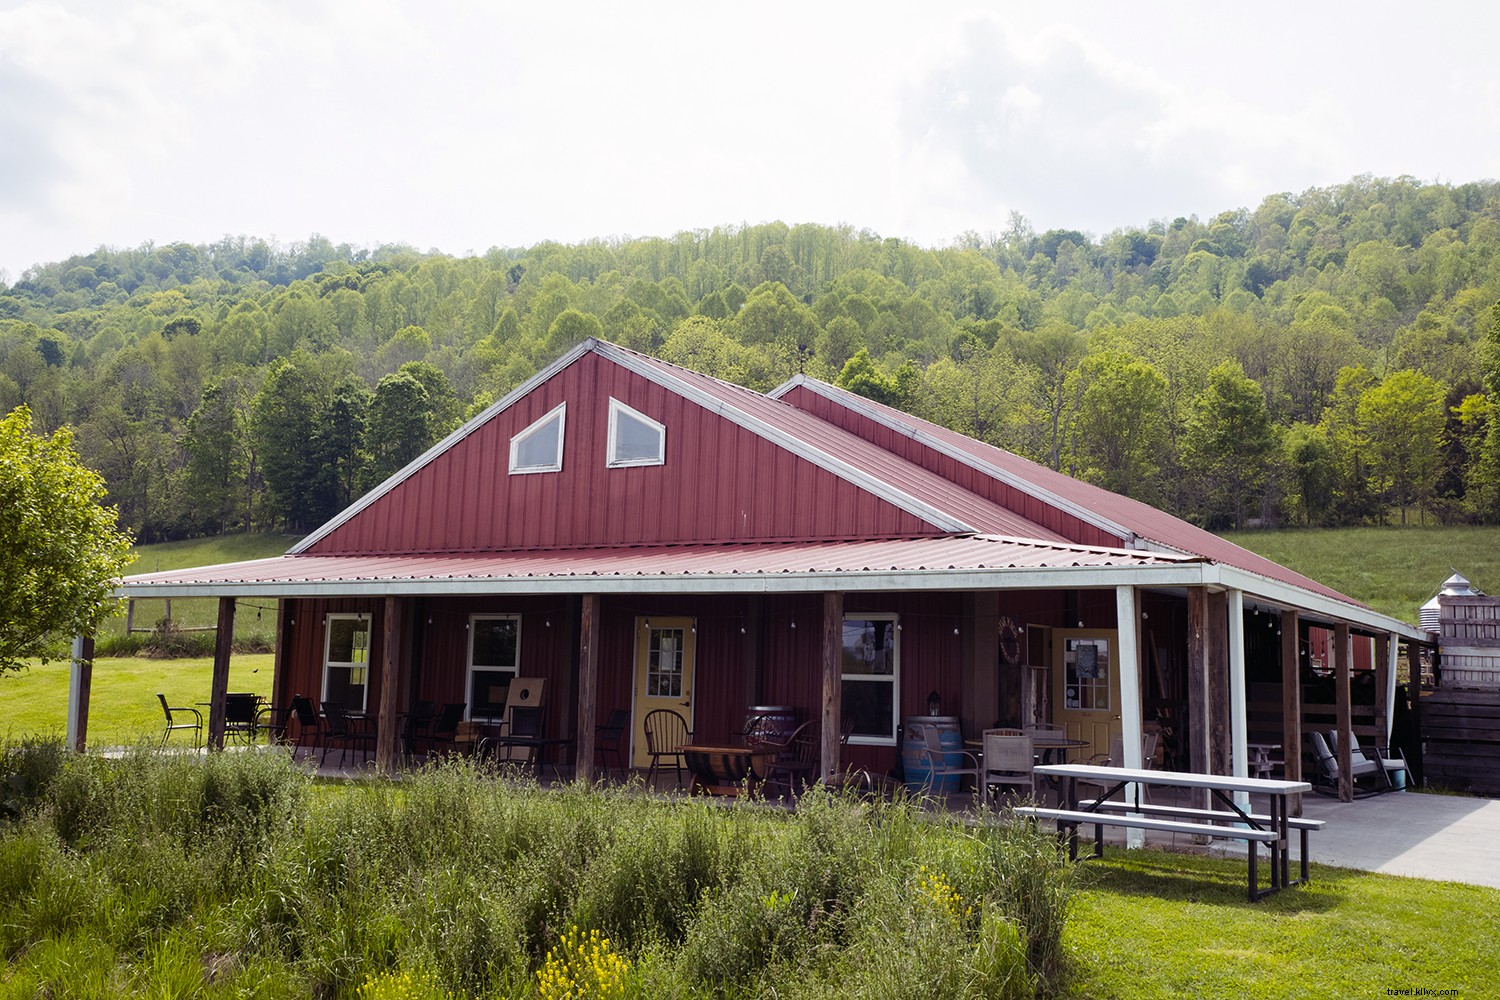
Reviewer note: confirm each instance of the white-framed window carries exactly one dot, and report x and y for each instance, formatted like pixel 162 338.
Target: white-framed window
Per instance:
pixel 634 438
pixel 871 681
pixel 346 660
pixel 494 661
pixel 539 448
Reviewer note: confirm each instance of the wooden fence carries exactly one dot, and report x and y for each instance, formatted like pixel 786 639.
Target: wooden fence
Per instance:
pixel 1461 739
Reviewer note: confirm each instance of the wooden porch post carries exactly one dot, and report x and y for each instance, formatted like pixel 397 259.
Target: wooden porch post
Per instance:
pixel 1197 719
pixel 989 690
pixel 1414 692
pixel 80 681
pixel 223 646
pixel 833 646
pixel 1218 685
pixel 392 691
pixel 1291 704
pixel 1343 654
pixel 588 686
pixel 1385 680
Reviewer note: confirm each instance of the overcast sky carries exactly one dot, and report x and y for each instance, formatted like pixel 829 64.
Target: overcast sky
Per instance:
pixel 459 126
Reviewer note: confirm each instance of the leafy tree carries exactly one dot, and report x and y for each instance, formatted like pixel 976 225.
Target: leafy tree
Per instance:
pixel 1116 428
pixel 1403 421
pixel 284 420
pixel 1229 443
pixel 342 446
pixel 218 459
pixel 1308 462
pixel 863 377
pixel 60 551
pixel 401 425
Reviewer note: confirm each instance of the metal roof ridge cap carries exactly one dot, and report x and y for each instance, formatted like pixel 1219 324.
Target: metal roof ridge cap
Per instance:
pixel 857 403
pixel 464 430
pixel 829 463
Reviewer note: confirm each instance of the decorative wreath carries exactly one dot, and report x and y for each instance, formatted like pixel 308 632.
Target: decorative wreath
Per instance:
pixel 1010 640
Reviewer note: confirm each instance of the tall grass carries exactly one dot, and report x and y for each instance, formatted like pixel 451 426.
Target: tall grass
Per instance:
pixel 237 875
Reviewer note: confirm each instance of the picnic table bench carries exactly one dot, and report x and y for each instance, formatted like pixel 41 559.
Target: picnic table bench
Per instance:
pixel 1230 822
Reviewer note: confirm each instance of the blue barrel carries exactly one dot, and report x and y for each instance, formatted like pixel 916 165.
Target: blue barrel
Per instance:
pixel 915 762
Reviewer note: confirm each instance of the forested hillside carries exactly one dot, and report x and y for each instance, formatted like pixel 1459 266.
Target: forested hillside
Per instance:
pixel 1328 358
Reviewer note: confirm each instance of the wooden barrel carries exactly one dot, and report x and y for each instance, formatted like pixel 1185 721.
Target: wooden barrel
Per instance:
pixel 914 760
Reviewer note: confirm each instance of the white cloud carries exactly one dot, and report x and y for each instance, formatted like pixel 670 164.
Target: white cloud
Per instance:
pixel 459 126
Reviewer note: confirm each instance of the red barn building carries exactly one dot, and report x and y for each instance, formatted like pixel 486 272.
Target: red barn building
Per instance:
pixel 639 535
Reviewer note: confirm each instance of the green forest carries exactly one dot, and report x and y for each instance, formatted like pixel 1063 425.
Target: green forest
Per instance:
pixel 1327 358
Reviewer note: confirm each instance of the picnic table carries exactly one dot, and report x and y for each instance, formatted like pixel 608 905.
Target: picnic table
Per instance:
pixel 1223 820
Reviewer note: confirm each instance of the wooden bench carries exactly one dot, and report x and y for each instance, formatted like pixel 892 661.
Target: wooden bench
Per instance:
pixel 1303 826
pixel 1069 820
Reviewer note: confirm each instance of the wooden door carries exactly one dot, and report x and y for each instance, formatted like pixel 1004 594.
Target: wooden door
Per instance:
pixel 665 655
pixel 1086 687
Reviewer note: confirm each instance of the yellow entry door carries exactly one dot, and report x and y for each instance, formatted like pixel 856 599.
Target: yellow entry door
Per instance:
pixel 1086 687
pixel 665 653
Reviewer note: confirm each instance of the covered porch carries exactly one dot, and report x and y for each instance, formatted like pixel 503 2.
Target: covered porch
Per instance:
pixel 855 636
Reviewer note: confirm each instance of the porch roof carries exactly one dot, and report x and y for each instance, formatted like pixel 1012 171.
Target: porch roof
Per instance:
pixel 958 560
pixel 949 562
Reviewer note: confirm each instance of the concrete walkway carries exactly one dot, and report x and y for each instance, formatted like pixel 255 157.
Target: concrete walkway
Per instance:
pixel 1410 833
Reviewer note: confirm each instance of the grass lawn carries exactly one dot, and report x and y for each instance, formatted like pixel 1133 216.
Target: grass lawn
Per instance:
pixel 1394 570
pixel 197 612
pixel 122 700
pixel 1154 924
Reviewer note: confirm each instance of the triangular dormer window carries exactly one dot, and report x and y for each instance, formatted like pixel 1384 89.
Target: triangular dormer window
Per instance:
pixel 634 438
pixel 539 448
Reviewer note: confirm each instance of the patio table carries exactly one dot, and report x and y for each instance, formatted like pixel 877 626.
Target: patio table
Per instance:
pixel 1227 822
pixel 723 770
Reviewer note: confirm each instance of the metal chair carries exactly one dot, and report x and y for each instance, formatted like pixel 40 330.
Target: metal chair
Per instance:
pixel 242 716
pixel 666 734
pixel 610 738
pixel 172 724
pixel 1328 769
pixel 309 724
pixel 798 762
pixel 1008 759
pixel 414 726
pixel 941 767
pixel 346 730
pixel 1388 765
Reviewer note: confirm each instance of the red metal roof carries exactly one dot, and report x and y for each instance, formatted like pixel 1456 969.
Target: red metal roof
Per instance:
pixel 937 554
pixel 812 433
pixel 1132 516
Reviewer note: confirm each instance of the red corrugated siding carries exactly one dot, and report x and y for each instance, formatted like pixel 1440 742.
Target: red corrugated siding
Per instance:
pixel 719 482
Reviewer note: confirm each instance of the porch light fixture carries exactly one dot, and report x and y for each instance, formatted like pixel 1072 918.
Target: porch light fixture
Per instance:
pixel 934 704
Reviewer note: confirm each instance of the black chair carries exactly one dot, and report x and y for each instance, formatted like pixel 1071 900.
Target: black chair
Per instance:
pixel 610 739
pixel 443 731
pixel 350 733
pixel 797 765
pixel 414 726
pixel 242 716
pixel 309 724
pixel 172 724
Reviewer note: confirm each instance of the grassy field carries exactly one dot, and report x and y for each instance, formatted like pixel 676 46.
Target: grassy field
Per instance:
pixel 1152 924
pixel 237 876
pixel 1394 570
pixel 200 612
pixel 123 708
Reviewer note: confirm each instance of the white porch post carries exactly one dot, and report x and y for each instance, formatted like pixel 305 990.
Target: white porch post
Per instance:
pixel 1238 722
pixel 1130 689
pixel 1392 659
pixel 80 679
